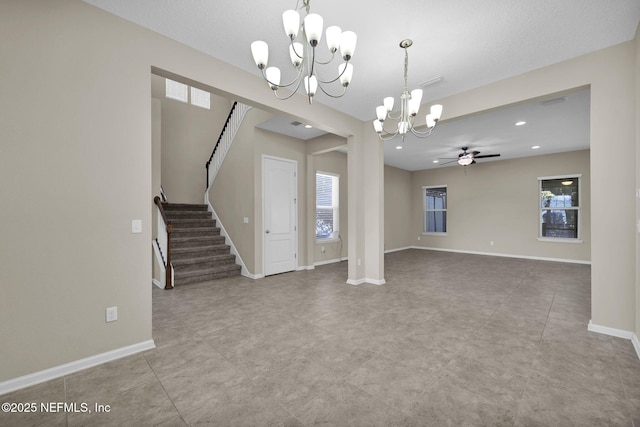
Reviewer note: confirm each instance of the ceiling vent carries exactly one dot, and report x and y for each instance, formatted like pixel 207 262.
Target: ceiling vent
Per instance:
pixel 431 81
pixel 553 101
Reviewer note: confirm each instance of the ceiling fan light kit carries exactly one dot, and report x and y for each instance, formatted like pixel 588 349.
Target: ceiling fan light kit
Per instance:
pixel 467 158
pixel 304 56
pixel 409 106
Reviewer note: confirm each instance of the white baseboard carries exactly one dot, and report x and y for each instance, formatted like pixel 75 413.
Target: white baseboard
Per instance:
pixel 69 368
pixel 636 344
pixel 618 333
pixel 388 251
pixel 605 330
pixel 330 261
pixel 365 280
pixel 157 283
pixel 305 267
pixel 537 258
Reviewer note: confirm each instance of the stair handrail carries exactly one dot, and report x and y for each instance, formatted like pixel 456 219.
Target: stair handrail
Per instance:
pixel 227 136
pixel 215 147
pixel 167 229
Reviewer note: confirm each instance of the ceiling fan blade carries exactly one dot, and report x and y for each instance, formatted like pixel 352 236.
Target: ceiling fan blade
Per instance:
pixel 475 153
pixel 448 158
pixel 446 163
pixel 486 155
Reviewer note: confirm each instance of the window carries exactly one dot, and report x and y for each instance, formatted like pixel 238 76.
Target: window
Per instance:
pixel 435 209
pixel 327 197
pixel 176 90
pixel 180 92
pixel 559 207
pixel 200 98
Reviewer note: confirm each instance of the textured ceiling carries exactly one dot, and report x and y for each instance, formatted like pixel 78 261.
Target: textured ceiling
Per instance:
pixel 469 43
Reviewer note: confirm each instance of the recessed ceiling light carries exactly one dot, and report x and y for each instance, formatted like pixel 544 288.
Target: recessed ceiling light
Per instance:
pixel 535 147
pixel 436 161
pixel 399 147
pixel 308 126
pixel 520 123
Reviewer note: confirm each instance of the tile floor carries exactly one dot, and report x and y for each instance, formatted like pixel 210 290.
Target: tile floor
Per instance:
pixel 450 340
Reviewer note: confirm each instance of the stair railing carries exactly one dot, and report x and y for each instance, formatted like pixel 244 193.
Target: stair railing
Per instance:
pixel 163 243
pixel 228 133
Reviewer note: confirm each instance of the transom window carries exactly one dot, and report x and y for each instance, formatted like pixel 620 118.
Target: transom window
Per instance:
pixel 327 206
pixel 180 92
pixel 435 209
pixel 560 213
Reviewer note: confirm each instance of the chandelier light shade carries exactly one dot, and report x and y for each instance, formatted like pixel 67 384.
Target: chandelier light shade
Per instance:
pixel 304 58
pixel 409 106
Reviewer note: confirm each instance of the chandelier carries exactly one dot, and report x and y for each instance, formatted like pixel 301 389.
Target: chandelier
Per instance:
pixel 409 106
pixel 303 54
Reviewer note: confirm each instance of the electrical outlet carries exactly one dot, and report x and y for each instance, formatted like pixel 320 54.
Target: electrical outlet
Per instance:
pixel 111 314
pixel 491 243
pixel 322 249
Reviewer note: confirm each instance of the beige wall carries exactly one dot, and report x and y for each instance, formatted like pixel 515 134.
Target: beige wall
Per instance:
pixel 499 201
pixel 75 126
pixel 156 167
pixel 189 134
pixel 637 113
pixel 237 190
pixel 397 208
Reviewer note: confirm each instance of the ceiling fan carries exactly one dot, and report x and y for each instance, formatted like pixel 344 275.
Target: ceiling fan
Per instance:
pixel 468 158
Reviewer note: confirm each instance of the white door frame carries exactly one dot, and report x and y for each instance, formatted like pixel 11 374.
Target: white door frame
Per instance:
pixel 295 209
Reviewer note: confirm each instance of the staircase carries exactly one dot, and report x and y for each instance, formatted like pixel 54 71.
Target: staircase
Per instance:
pixel 198 251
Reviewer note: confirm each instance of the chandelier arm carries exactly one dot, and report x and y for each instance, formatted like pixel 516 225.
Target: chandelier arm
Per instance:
pixel 394 118
pixel 423 134
pixel 389 133
pixel 333 55
pixel 293 92
pixel 328 94
pixel 336 79
pixel 388 136
pixel 297 79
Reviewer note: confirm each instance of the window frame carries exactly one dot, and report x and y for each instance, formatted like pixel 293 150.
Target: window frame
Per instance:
pixel 335 235
pixel 578 209
pixel 425 210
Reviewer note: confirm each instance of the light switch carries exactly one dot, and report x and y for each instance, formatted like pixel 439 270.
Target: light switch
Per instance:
pixel 246 220
pixel 136 226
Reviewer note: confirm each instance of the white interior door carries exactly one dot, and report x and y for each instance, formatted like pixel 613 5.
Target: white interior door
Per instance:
pixel 280 218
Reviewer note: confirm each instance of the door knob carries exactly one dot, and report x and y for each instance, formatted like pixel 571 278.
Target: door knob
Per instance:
pixel 267 231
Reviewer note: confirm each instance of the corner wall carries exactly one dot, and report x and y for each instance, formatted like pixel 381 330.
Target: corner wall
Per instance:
pixel 398 199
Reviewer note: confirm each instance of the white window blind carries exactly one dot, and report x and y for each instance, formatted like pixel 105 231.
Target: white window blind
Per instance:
pixel 327 214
